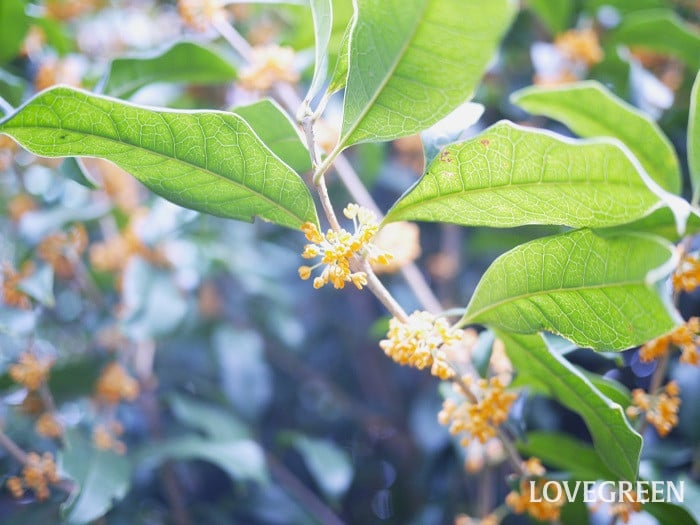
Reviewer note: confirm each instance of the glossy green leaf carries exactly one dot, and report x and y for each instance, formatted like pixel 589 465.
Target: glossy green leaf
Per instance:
pixel 209 161
pixel 694 137
pixel 322 13
pixel 426 58
pixel 590 110
pixel 616 443
pixel 273 127
pixel 14 24
pixel 329 465
pixel 564 452
pixel 184 62
pixel 511 176
pixel 663 31
pixel 598 291
pixel 556 14
pixel 241 459
pixel 102 477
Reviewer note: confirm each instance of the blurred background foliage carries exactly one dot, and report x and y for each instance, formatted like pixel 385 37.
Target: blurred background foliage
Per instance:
pixel 191 377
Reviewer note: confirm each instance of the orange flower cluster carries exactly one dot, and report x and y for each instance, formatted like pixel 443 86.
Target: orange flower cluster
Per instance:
pixel 478 420
pixel 19 205
pixel 62 250
pixel 687 276
pixel 684 337
pixel 661 409
pixel 489 519
pixel 198 14
pixel 540 508
pixel 113 254
pixel 38 473
pixel 57 71
pixel 30 371
pixel 11 278
pixel 624 509
pixel 580 45
pixel 105 437
pixel 401 240
pixel 418 343
pixel 48 426
pixel 68 9
pixel 269 65
pixel 115 385
pixel 337 248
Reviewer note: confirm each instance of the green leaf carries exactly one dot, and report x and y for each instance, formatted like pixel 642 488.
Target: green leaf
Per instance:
pixel 624 6
pixel 102 477
pixel 273 127
pixel 663 31
pixel 616 443
pixel 669 513
pixel 329 465
pixel 564 452
pixel 511 176
pixel 426 58
pixel 39 286
pixel 322 13
pixel 339 78
pixel 590 110
pixel 217 423
pixel 73 169
pixel 694 138
pixel 663 223
pixel 556 14
pixel 14 24
pixel 449 129
pixel 184 62
pixel 241 459
pixel 598 291
pixel 209 161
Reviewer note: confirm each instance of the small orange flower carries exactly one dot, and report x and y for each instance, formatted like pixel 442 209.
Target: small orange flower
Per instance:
pixel 580 45
pixel 198 14
pixel 269 65
pixel 105 437
pixel 478 420
pixel 11 279
pixel 115 385
pixel 418 342
pixel 624 509
pixel 62 250
pixel 30 371
pixel 687 275
pixel 38 474
pixel 338 248
pixel 522 501
pixel 684 337
pixel 48 426
pixel 661 409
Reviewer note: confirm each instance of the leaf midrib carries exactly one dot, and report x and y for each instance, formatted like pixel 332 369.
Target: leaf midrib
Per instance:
pixel 390 73
pixel 165 156
pixel 492 306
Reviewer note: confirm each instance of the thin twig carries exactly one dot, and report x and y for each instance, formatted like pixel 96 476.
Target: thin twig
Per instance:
pixel 13 449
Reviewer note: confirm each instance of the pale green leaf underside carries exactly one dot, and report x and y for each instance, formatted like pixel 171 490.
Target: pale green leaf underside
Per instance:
pixel 694 135
pixel 412 62
pixel 185 62
pixel 590 110
pixel 661 30
pixel 209 161
pixel 322 13
pixel 510 176
pixel 340 72
pixel 597 291
pixel 617 444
